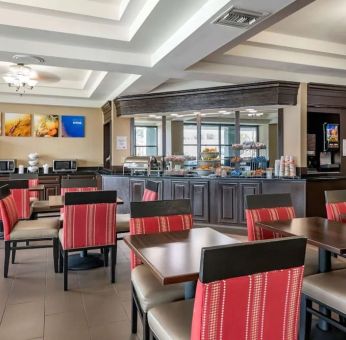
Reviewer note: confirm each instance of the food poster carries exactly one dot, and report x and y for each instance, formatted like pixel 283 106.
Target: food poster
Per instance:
pixel 18 124
pixel 46 125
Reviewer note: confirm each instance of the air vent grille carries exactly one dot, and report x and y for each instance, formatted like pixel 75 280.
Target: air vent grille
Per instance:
pixel 240 18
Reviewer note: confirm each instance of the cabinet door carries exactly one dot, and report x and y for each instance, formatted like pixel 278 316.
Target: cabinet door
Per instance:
pixel 136 189
pixel 226 202
pixel 180 190
pixel 199 192
pixel 249 188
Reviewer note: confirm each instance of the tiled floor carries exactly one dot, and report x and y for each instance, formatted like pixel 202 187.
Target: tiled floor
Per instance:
pixel 33 304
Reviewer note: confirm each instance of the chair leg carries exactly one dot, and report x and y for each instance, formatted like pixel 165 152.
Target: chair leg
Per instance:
pixel 65 270
pixel 305 318
pixel 61 259
pixel 14 245
pixel 7 257
pixel 113 262
pixel 145 326
pixel 56 254
pixel 134 315
pixel 105 256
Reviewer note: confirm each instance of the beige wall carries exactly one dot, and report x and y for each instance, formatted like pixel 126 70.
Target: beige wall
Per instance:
pixel 120 127
pixel 88 151
pixel 295 128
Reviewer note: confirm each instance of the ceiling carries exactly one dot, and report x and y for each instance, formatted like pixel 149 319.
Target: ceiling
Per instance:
pixel 307 46
pixel 96 50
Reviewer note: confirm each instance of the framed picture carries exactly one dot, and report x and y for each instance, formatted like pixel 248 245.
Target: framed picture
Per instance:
pixel 73 126
pixel 46 125
pixel 18 124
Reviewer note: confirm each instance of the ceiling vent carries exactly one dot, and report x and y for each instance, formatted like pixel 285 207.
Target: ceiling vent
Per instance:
pixel 240 18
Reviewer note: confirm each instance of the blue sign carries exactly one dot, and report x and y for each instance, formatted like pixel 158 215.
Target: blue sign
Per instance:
pixel 73 126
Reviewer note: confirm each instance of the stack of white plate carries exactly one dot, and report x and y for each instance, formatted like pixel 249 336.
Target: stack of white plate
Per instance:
pixel 33 162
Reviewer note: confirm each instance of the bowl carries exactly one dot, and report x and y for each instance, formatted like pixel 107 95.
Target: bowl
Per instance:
pixel 201 172
pixel 33 168
pixel 33 156
pixel 33 163
pixel 209 155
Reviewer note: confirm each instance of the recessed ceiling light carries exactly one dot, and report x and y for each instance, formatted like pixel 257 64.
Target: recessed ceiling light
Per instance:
pixel 226 113
pixel 196 113
pixel 152 116
pixel 174 115
pixel 203 114
pixel 251 110
pixel 222 111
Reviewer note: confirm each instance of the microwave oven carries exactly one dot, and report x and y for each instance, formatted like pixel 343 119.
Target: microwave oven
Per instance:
pixel 7 165
pixel 64 165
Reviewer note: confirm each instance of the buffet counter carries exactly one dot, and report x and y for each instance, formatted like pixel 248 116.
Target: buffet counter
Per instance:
pixel 214 200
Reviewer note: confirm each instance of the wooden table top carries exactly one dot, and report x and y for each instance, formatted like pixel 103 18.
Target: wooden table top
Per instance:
pixel 319 231
pixel 57 201
pixel 175 257
pixel 39 187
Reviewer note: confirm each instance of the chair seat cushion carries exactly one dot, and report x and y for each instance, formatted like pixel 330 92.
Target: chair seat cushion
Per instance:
pixel 43 206
pixel 328 288
pixel 35 229
pixel 150 292
pixel 123 223
pixel 172 321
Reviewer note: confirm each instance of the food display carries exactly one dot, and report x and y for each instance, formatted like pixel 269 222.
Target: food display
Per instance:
pixel 210 160
pixel 249 146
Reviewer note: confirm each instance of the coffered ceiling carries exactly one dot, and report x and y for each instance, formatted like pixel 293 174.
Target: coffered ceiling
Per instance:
pixel 95 50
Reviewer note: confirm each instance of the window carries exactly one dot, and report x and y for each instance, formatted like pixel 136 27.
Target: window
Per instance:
pixel 146 141
pixel 219 136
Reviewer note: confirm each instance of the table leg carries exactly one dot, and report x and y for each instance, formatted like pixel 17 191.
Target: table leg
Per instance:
pixel 325 265
pixel 190 289
pixel 85 261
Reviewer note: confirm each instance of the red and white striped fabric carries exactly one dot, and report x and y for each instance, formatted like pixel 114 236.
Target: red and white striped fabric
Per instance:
pixel 254 216
pixel 149 195
pixel 158 224
pixel 260 306
pixel 89 225
pixel 22 199
pixel 33 183
pixel 9 215
pixel 335 210
pixel 85 189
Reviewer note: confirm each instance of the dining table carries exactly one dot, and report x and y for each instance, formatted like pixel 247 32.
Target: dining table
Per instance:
pixel 38 187
pixel 329 236
pixel 175 257
pixel 57 201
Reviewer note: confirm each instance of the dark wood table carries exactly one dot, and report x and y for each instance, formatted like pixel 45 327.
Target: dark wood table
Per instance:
pixel 328 236
pixel 174 257
pixel 39 187
pixel 57 201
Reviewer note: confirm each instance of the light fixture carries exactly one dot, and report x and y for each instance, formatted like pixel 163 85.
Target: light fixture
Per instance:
pixel 152 116
pixel 222 111
pixel 226 113
pixel 251 110
pixel 255 114
pixel 21 78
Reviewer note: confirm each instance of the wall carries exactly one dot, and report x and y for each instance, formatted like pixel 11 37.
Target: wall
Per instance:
pixel 177 138
pixel 295 128
pixel 120 127
pixel 88 150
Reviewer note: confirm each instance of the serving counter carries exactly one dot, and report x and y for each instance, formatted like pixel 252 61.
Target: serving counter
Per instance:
pixel 214 200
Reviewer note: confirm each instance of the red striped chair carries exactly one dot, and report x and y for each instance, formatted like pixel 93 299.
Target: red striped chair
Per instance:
pixel 264 208
pixel 89 223
pixel 151 193
pixel 16 230
pixel 20 194
pixel 336 205
pixel 242 299
pixel 33 182
pixel 148 218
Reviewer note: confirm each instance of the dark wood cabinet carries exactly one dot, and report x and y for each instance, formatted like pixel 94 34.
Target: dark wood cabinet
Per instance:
pixel 227 202
pixel 246 188
pixel 199 193
pixel 136 189
pixel 180 189
pixel 51 186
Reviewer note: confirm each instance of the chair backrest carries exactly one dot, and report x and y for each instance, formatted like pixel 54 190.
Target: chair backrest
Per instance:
pixel 21 195
pixel 89 219
pixel 264 208
pixel 77 185
pixel 336 205
pixel 8 210
pixel 157 217
pixel 250 290
pixel 32 179
pixel 151 191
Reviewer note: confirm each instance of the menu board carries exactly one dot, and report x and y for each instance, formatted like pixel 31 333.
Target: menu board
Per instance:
pixel 331 136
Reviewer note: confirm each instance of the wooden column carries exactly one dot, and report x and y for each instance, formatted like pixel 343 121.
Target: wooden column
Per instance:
pixel 132 137
pixel 164 136
pixel 199 135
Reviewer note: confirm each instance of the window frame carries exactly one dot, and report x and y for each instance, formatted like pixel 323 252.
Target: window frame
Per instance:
pixel 147 145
